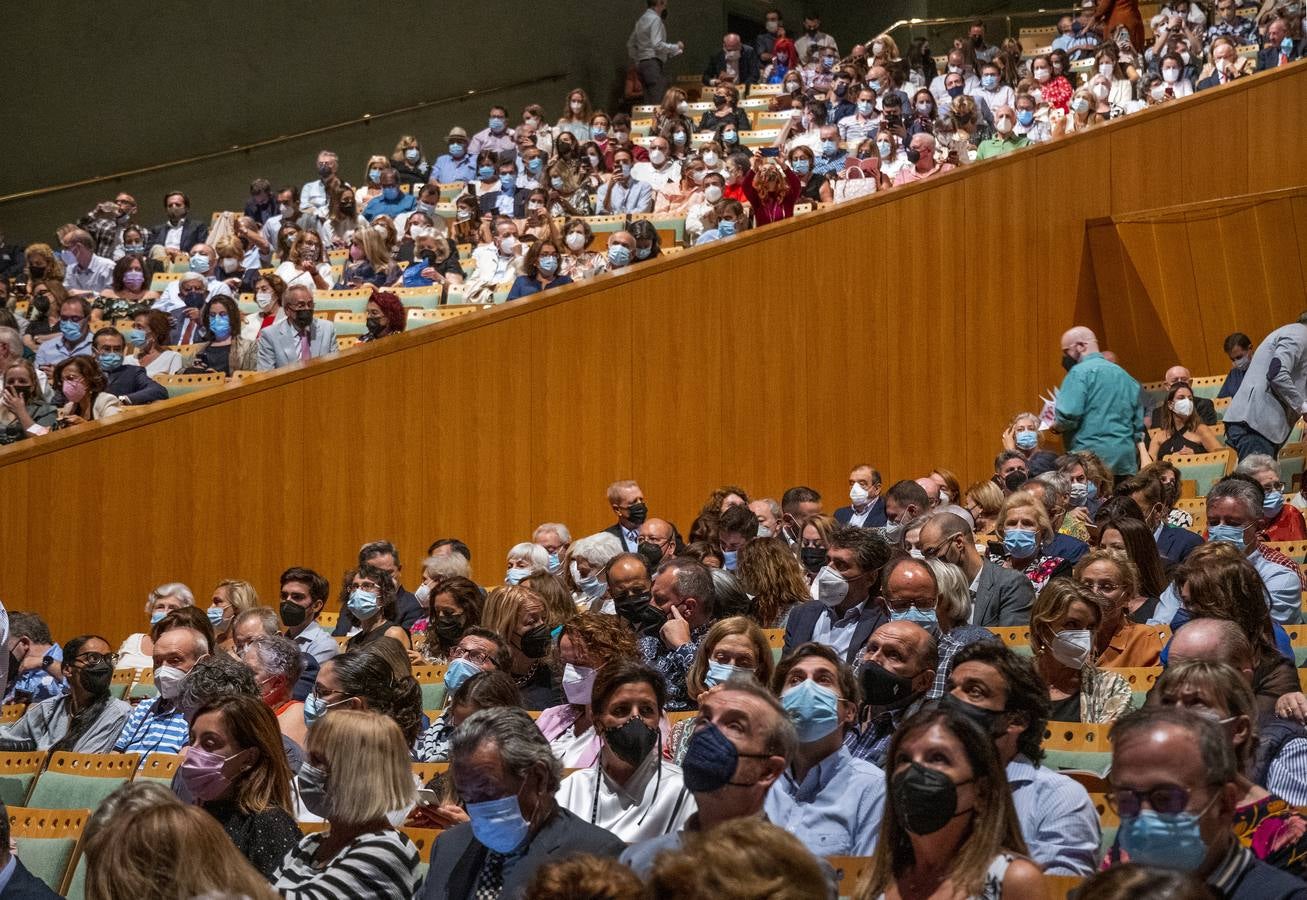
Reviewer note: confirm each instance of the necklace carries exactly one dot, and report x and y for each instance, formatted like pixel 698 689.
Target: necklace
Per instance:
pixel 523 679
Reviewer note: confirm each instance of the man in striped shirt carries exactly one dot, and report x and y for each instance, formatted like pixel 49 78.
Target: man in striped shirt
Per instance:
pixel 157 725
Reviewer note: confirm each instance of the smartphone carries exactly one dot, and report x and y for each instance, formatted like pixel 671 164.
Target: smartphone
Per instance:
pixel 771 151
pixel 427 797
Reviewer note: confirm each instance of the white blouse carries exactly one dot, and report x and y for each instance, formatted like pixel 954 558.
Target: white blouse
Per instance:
pixel 653 802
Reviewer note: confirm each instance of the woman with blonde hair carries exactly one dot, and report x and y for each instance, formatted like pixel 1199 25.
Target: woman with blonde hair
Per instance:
pixel 768 570
pixel 517 614
pixel 983 501
pixel 42 266
pixel 356 775
pixel 230 598
pixel 589 641
pixel 1063 622
pixel 950 827
pixel 813 542
pixel 23 411
pixel 370 262
pixel 772 190
pixel 1081 116
pixel 732 646
pixel 408 160
pixel 1025 529
pixel 371 184
pixel 163 850
pixel 741 859
pixel 306 263
pixel 953 619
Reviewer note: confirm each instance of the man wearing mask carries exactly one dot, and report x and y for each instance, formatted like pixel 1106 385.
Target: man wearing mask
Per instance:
pixel 623 193
pixel 660 172
pixel 627 500
pixel 867 507
pixel 1272 396
pixel 456 164
pixel 313 195
pixel 203 263
pixel 1280 48
pixel 630 594
pixel 1180 375
pixel 813 36
pixel 1148 492
pixel 830 158
pixel 1239 348
pixel 74 331
pixel 736 527
pixel 288 203
pixel 128 381
pixel 178 233
pixel 106 222
pixel 1005 138
pixel 384 556
pixel 765 42
pixel 904 501
pixel 1036 131
pixel 768 513
pixel 156 724
pixel 737 61
pixel 496 136
pixel 826 798
pixel 192 294
pixel 957 65
pixel 921 153
pixel 507 776
pixel 798 504
pixel 1001 692
pixel 391 201
pixel 845 610
pixel 85 272
pixel 300 337
pixel 657 542
pixel 35 671
pixel 303 596
pixel 730 764
pixel 1011 471
pixel 1174 784
pixel 498 261
pixel 897 668
pixel 683 595
pixel 649 50
pixel 999 596
pixel 1098 404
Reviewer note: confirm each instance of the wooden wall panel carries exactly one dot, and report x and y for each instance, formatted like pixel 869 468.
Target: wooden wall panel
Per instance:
pixel 902 330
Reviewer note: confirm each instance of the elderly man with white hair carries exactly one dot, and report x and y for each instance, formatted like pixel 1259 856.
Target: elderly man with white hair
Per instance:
pixel 298 337
pixel 585 562
pixel 1098 405
pixel 555 539
pixel 921 153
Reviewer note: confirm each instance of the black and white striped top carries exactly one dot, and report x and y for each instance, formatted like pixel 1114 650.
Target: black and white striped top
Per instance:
pixel 381 864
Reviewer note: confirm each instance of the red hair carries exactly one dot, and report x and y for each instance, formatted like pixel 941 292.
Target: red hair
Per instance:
pixel 391 308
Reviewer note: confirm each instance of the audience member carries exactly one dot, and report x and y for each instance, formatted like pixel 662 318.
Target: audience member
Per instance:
pixel 1272 395
pixel 478 651
pixel 844 611
pixel 517 615
pixel 1119 642
pixel 1063 624
pixel 999 596
pixel 1098 405
pixel 86 719
pixel 683 594
pixel 158 724
pixel 896 670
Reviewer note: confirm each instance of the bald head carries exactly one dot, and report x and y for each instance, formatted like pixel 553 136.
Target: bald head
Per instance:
pixel 1078 342
pixel 943 526
pixel 904 649
pixel 931 487
pixel 1217 640
pixel 731 43
pixel 1176 374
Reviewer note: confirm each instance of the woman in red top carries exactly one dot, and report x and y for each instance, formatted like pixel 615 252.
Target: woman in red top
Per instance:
pixel 735 175
pixel 1056 92
pixel 771 190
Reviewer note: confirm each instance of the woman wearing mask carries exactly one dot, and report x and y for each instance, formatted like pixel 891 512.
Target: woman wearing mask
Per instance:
pixel 678 136
pixel 367 680
pixel 578 261
pixel 23 411
pixel 1054 92
pixel 1022 435
pixel 576 115
pixel 813 542
pixel 369 262
pixel 137 652
pixel 968 131
pixel 525 559
pixel 674 112
pixel 1063 622
pixel 591 162
pixel 570 194
pixel 589 642
pixel 306 264
pixel 84 720
pixel 733 647
pixel 1128 535
pixel 408 161
pixel 368 600
pixel 1120 97
pixel 453 605
pixel 1083 116
pixel 771 190
pixel 812 186
pixel 230 599
pixel 385 316
pixel 983 501
pixel 42 266
pixel 924 113
pixel 357 778
pixel 267 298
pixel 1184 433
pixel 43 314
pixel 540 271
pixel 342 218
pixel 84 387
pixel 236 769
pixel 227 349
pixel 467 220
pixel 231 270
pixel 950 827
pixel 130 281
pixel 893 159
pixel 1119 642
pixel 517 615
pixel 601 135
pixel 648 245
pixel 1024 526
pixel 371 185
pixel 803 129
pixel 771 574
pixel 630 790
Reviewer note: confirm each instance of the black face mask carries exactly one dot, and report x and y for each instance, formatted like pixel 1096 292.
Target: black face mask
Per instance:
pixel 925 800
pixel 448 629
pixel 638 513
pixel 15 662
pixel 292 614
pixel 95 678
pixel 652 554
pixel 1014 479
pixel 347 208
pixel 881 687
pixel 985 719
pixel 913 156
pixel 636 609
pixel 302 317
pixel 1068 361
pixel 376 326
pixel 535 643
pixel 813 558
pixel 633 741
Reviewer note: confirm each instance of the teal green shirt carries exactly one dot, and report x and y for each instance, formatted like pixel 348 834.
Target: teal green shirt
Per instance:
pixel 1098 410
pixel 997 146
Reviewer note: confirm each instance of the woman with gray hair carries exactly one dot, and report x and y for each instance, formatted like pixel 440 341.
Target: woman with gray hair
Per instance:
pixel 525 559
pixel 584 565
pixel 137 652
pixel 1282 521
pixel 953 613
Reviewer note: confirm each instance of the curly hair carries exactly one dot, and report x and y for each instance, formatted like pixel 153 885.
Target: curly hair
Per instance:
pixel 769 570
pixel 601 637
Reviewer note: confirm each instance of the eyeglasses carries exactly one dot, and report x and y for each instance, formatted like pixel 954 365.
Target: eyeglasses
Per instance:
pixel 91 658
pixel 475 657
pixel 1166 799
pixel 933 552
pixel 901 605
pixel 1101 587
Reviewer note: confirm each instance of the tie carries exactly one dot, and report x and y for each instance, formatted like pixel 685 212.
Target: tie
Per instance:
pixel 1170 94
pixel 304 346
pixel 1284 59
pixel 491 881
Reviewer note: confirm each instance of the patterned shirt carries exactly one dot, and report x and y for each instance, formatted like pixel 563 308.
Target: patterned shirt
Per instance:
pixel 673 664
pixel 870 739
pixel 949 645
pixel 1242 31
pixel 379 865
pixel 155 726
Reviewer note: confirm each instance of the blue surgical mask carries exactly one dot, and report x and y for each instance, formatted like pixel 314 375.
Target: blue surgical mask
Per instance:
pixel 923 617
pixel 726 227
pixel 1286 45
pixel 1231 534
pixel 200 262
pixel 924 108
pixel 813 708
pixel 865 107
pixel 556 183
pixel 555 564
pixel 1172 841
pixel 496 123
pixel 485 173
pixel 363 604
pixel 456 150
pixel 498 824
pixel 828 62
pixel 619 256
pixel 220 327
pixel 506 183
pixel 989 82
pixel 730 559
pixel 157 616
pixel 374 176
pixel 643 252
pixel 1019 542
pixel 315 708
pixel 459 671
pixel 829 148
pixel 215 614
pixel 598 134
pixel 1027 440
pixel 549 265
pixel 800 166
pixel 875 86
pixel 136 337
pixel 516 576
pixel 134 249
pixel 534 164
pixel 1025 117
pixel 720 673
pixel 1272 503
pixel 69 258
pixel 390 192
pixel 728 137
pixel 72 331
pixel 884 148
pixel 412 154
pixel 111 362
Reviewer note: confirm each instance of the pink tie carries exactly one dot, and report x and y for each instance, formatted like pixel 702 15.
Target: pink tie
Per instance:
pixel 304 346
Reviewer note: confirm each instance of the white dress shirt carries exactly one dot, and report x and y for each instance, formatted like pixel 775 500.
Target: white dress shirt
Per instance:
pixel 837 632
pixel 648 39
pixel 656 178
pixel 97 275
pixel 492 267
pixel 172 238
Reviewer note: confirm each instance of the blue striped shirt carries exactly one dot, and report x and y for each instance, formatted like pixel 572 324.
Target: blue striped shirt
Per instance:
pixel 153 730
pixel 836 810
pixel 1287 776
pixel 1057 818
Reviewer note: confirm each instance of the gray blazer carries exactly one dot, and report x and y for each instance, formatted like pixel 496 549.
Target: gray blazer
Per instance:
pixel 1274 388
pixel 279 344
pixel 1003 597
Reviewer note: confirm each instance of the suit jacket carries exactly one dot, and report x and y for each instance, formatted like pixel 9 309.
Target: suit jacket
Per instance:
pixel 23 885
pixel 875 519
pixel 1269 57
pixel 132 382
pixel 193 233
pixel 457 857
pixel 1174 544
pixel 616 531
pixel 1274 385
pixel 1003 597
pixel 1205 408
pixel 804 617
pixel 748 66
pixel 279 344
pixel 309 666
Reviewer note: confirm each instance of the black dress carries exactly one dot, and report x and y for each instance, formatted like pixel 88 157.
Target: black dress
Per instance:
pixel 1065 710
pixel 363 638
pixel 1177 442
pixel 263 837
pixel 538 689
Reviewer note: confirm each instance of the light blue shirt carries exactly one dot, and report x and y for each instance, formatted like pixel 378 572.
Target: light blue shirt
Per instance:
pixel 837 633
pixel 51 353
pixel 836 810
pixel 634 197
pixel 1057 818
pixel 1287 776
pixel 148 731
pixel 448 170
pixel 380 206
pixel 317 642
pixel 1282 587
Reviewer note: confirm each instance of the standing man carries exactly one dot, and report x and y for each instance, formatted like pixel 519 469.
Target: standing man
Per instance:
pixel 649 50
pixel 1098 405
pixel 1272 396
pixel 627 500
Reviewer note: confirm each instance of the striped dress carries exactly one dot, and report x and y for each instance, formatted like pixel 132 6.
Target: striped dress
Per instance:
pixel 381 864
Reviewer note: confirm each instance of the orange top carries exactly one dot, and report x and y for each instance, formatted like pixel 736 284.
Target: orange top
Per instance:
pixel 1134 646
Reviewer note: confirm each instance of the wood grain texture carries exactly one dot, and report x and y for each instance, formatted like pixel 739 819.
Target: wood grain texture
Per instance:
pixel 902 330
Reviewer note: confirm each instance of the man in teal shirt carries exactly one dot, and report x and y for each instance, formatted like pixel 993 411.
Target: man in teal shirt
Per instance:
pixel 1098 405
pixel 1004 140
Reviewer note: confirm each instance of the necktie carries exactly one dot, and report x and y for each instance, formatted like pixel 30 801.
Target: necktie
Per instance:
pixel 491 881
pixel 304 345
pixel 1284 58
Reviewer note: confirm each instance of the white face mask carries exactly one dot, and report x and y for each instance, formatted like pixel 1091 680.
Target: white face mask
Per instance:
pixel 710 159
pixel 712 193
pixel 1105 69
pixel 168 679
pixel 955 70
pixel 1171 76
pixel 1071 648
pixel 507 246
pixel 657 157
pixel 858 494
pixel 1100 91
pixel 1158 91
pixel 1003 125
pixel 575 241
pixel 578 682
pixel 1183 406
pixel 831 587
pixel 264 300
pixel 877 48
pixel 1042 75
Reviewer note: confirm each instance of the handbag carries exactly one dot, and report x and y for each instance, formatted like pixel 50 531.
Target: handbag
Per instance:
pixel 851 188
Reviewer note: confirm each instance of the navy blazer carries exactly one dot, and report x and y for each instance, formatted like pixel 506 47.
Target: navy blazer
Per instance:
pixel 1269 57
pixel 139 388
pixel 804 617
pixel 616 531
pixel 748 66
pixel 457 858
pixel 1174 544
pixel 1067 547
pixel 23 885
pixel 875 519
pixel 193 232
pixel 308 677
